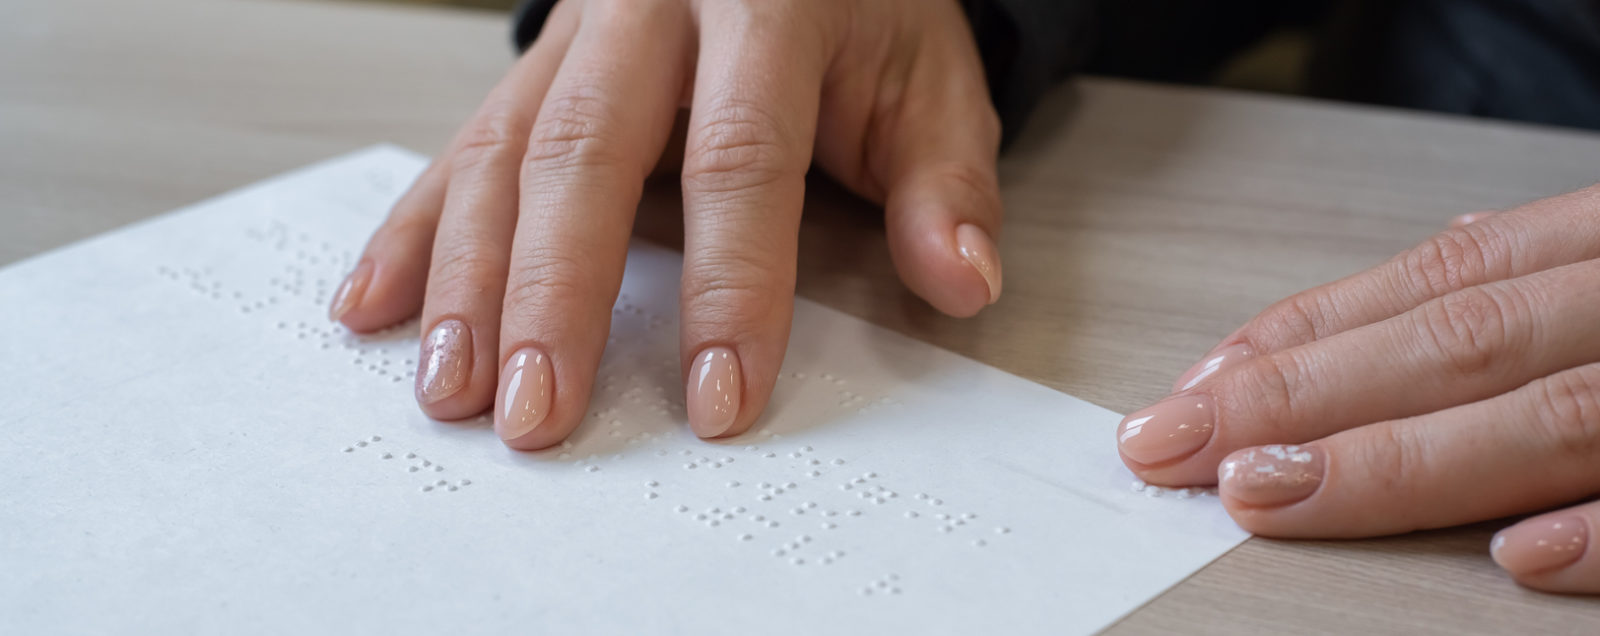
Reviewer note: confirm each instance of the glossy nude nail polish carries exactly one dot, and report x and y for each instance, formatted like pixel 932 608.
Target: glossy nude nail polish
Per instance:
pixel 975 245
pixel 446 362
pixel 1540 544
pixel 1171 429
pixel 527 387
pixel 350 291
pixel 1272 475
pixel 1214 362
pixel 716 384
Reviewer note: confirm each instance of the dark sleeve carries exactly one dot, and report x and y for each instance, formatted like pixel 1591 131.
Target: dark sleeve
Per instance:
pixel 1027 46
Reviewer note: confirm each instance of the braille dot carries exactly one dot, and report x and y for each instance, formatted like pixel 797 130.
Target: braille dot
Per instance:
pixel 361 443
pixel 980 543
pixel 794 454
pixel 828 525
pixel 349 449
pixel 882 584
pixel 388 455
pixel 426 463
pixel 713 523
pixel 831 513
pixel 770 455
pixel 798 561
pixel 700 517
pixel 968 515
pixel 466 482
pixel 717 465
pixel 438 469
pixel 649 495
pixel 765 497
pixel 866 591
pixel 844 486
pixel 690 465
pixel 427 488
pixel 779 552
pixel 375 438
pixel 758 518
pixel 772 524
pixel 947 529
pixel 922 495
pixel 790 485
pixel 745 537
pixel 411 469
pixel 733 484
pixel 911 514
pixel 739 509
pixel 593 469
pixel 651 484
pixel 855 513
pixel 727 460
pixel 798 511
pixel 894 590
pixel 938 502
pixel 682 508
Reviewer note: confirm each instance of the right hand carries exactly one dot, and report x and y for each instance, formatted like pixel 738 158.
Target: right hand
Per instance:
pixel 512 242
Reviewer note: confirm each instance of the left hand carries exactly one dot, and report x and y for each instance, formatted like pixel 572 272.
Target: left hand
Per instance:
pixel 1458 382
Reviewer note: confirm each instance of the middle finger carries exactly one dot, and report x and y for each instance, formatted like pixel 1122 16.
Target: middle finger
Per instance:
pixel 604 122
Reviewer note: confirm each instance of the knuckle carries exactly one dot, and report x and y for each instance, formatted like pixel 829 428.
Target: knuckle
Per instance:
pixel 739 147
pixel 981 184
pixel 1297 319
pixel 1454 259
pixel 573 131
pixel 465 263
pixel 725 287
pixel 1263 396
pixel 548 278
pixel 493 137
pixel 1468 329
pixel 1567 406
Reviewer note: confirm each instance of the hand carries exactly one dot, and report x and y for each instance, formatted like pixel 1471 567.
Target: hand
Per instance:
pixel 512 242
pixel 1458 382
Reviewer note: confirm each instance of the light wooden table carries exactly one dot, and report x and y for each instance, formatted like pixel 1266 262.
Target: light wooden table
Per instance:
pixel 1144 223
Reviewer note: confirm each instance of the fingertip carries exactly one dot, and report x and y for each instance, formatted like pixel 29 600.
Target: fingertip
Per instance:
pixel 935 264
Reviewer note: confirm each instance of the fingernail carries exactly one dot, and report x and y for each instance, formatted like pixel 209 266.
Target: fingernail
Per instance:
pixel 1271 475
pixel 1216 361
pixel 1469 218
pixel 715 385
pixel 526 388
pixel 446 361
pixel 350 291
pixel 1171 429
pixel 1540 544
pixel 976 246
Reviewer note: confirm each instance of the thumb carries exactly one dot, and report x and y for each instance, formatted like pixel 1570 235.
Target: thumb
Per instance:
pixel 936 160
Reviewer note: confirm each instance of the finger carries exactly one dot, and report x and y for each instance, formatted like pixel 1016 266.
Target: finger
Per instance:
pixel 1470 218
pixel 1531 238
pixel 461 311
pixel 750 134
pixel 943 207
pixel 1551 552
pixel 1470 345
pixel 603 124
pixel 387 283
pixel 1526 450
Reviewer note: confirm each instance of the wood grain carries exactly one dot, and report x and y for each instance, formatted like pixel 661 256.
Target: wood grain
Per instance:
pixel 1144 223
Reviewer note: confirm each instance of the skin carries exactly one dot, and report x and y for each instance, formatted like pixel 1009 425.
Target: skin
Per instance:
pixel 1458 382
pixel 520 228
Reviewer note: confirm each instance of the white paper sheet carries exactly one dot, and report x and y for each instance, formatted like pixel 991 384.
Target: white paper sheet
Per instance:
pixel 190 447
